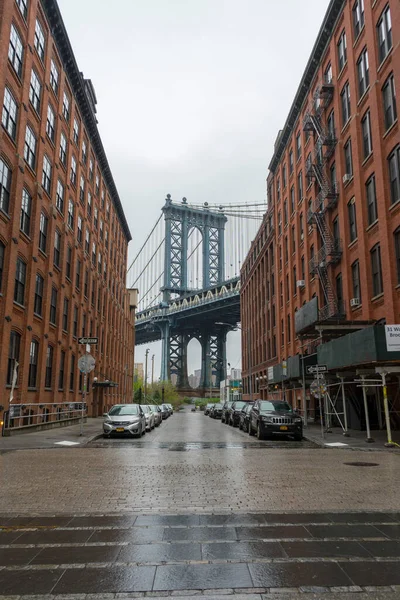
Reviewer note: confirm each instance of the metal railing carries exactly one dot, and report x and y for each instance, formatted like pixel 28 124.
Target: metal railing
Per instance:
pixel 30 415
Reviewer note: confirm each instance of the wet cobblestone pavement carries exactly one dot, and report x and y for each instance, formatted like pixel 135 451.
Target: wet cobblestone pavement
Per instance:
pixel 198 508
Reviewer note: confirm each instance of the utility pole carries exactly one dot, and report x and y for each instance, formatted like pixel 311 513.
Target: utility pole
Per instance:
pixel 145 375
pixel 152 369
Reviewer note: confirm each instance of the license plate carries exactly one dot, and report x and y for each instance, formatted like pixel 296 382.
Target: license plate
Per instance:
pixel 119 429
pixel 282 428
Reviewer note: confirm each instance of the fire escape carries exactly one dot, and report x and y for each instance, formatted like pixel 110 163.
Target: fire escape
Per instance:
pixel 317 168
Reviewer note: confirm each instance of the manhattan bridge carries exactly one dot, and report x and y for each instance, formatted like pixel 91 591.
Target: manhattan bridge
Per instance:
pixel 188 276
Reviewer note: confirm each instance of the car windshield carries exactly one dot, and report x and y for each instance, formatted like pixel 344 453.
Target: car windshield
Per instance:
pixel 239 405
pixel 247 407
pixel 125 410
pixel 153 407
pixel 278 406
pixel 145 409
pixel 218 405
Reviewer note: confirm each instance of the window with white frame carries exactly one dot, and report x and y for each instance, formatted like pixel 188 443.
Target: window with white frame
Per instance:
pixel 23 7
pixel 82 190
pixel 63 149
pixel 43 227
pixel 84 152
pixel 50 123
pixel 39 40
pixel 35 91
pixel 73 170
pixel 372 205
pixel 79 232
pixel 66 106
pixel 389 101
pixel 348 158
pixel 394 174
pixel 30 147
pixel 9 114
pixel 342 50
pixel 376 269
pixel 363 72
pixel 5 186
pixel 346 107
pixel 16 51
pixel 46 174
pixel 54 76
pixel 89 204
pixel 26 210
pixel 60 194
pixel 358 17
pixel 57 248
pixel 366 134
pixel 384 32
pixel 87 240
pixel 71 212
pixel 76 131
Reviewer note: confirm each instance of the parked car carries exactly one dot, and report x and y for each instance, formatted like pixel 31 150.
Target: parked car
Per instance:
pixel 226 406
pixel 216 411
pixel 233 413
pixel 127 419
pixel 275 418
pixel 244 416
pixel 149 416
pixel 207 409
pixel 171 409
pixel 157 414
pixel 164 411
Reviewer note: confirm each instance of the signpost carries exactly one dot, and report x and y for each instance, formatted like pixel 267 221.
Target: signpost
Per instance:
pixel 86 364
pixel 318 387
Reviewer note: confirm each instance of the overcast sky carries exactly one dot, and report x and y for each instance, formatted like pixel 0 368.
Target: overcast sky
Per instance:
pixel 191 95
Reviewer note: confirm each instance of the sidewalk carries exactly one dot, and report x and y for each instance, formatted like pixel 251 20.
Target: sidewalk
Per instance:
pixel 58 437
pixel 356 439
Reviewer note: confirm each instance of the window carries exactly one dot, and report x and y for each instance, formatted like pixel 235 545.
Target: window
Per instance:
pixel 23 7
pixel 49 367
pixel 328 76
pixel 366 133
pixel 286 250
pixel 292 200
pixel 79 236
pixel 2 251
pixel 91 169
pixel 94 254
pixel 355 277
pixel 65 314
pixel 73 170
pixel 298 145
pixel 342 50
pixel 50 123
pixel 13 355
pixel 44 221
pixel 82 190
pixel 60 193
pixel 331 125
pixel 16 51
pixel 26 208
pixel 89 204
pixel 68 263
pixel 282 333
pixel 96 217
pixel 53 305
pixel 363 73
pixel 278 189
pixel 30 148
pixel 61 371
pixel 288 328
pixel 293 239
pixel 87 240
pixel 384 30
pixel 285 212
pixel 371 200
pixel 99 263
pixel 86 284
pixel 346 108
pixel 291 163
pixel 71 210
pixel 10 114
pixel 35 91
pixel 78 274
pixel 300 187
pixel 284 179
pixel 72 373
pixel 75 322
pixel 5 186
pixel 301 226
pixel 309 169
pixel 76 131
pixel 38 301
pixel 54 76
pixel 396 237
pixel 389 101
pixel 20 280
pixel 106 234
pixel 57 248
pixel 33 361
pixel 332 174
pixel 348 159
pixel 352 219
pixel 97 184
pixel 376 267
pixel 46 174
pixel 303 269
pixel 63 149
pixel 358 17
pixel 66 107
pixel 394 174
pixel 336 230
pixel 84 152
pixel 103 195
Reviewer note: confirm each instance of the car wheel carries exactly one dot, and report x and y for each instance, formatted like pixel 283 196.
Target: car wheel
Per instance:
pixel 250 429
pixel 260 435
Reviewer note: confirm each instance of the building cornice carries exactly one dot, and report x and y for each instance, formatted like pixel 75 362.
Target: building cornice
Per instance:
pixel 76 81
pixel 324 36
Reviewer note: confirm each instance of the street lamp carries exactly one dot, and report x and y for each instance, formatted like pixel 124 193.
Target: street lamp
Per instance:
pixel 248 331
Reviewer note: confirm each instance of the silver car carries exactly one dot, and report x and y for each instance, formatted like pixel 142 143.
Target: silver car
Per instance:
pixel 157 414
pixel 149 416
pixel 124 419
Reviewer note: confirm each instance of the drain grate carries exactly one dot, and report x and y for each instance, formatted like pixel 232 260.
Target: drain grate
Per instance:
pixel 361 464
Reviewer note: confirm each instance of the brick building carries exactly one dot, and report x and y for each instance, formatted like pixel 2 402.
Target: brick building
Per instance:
pixel 63 233
pixel 323 273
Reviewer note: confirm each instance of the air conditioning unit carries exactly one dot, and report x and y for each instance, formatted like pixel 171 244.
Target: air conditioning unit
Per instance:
pixel 354 302
pixel 300 283
pixel 346 178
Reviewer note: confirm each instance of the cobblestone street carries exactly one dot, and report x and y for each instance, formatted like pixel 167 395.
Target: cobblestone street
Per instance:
pixel 197 507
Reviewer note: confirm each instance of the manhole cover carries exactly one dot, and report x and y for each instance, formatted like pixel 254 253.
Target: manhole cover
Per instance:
pixel 361 464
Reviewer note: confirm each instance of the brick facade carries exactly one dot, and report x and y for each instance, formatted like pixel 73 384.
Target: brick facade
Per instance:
pixel 286 242
pixel 76 240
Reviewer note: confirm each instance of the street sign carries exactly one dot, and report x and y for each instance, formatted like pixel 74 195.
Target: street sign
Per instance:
pixel 313 369
pixel 86 363
pixel 88 340
pixel 318 389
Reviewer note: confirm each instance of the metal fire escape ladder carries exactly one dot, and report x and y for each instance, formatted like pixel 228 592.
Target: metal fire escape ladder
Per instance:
pixel 330 251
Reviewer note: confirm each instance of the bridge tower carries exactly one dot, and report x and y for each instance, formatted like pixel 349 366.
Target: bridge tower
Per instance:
pixel 179 221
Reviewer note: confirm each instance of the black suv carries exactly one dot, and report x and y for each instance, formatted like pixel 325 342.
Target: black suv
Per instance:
pixel 225 410
pixel 233 413
pixel 274 418
pixel 216 411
